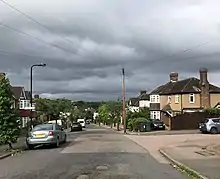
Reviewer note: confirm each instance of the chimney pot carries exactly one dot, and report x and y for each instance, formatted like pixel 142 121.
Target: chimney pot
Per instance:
pixel 174 76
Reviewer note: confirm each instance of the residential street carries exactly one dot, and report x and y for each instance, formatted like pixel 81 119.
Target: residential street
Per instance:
pixel 95 153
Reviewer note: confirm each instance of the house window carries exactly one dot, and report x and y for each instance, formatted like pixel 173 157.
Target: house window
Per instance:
pixel 177 99
pixel 157 99
pixel 155 115
pixel 191 98
pixel 24 104
pixel 158 114
pixel 154 99
pixel 169 99
pixel 25 121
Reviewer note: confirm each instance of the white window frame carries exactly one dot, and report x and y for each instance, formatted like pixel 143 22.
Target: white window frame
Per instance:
pixel 154 99
pixel 193 97
pixel 158 114
pixel 24 104
pixel 157 98
pixel 169 98
pixel 24 121
pixel 177 99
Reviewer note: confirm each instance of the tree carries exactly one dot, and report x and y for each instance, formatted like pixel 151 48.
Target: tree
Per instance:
pixel 104 113
pixel 115 110
pixel 110 113
pixel 9 118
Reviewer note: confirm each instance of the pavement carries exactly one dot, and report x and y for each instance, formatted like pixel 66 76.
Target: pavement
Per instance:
pixel 20 144
pixel 95 153
pixel 197 152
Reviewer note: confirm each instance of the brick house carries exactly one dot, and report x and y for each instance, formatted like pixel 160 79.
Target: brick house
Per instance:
pixel 187 95
pixel 22 99
pixel 141 101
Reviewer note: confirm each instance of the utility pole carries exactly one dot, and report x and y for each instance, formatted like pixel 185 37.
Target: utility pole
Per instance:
pixel 123 100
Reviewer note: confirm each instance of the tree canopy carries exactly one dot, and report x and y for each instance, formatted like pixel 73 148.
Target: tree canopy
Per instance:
pixel 9 117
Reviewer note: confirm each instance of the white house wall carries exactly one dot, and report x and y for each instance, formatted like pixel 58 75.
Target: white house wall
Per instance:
pixel 144 103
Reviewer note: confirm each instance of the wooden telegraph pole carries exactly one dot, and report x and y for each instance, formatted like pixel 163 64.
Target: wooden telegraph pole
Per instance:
pixel 123 101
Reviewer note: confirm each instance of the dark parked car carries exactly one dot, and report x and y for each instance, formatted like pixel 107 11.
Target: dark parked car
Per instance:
pixel 157 124
pixel 76 126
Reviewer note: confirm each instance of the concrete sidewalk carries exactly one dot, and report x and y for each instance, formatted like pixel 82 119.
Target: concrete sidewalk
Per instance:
pixel 20 144
pixel 197 158
pixel 197 152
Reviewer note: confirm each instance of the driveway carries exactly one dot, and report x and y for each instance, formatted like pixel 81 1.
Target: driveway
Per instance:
pixel 95 153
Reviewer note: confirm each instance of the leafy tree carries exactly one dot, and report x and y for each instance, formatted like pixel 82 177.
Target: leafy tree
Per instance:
pixel 134 118
pixel 110 113
pixel 104 113
pixel 115 109
pixel 9 118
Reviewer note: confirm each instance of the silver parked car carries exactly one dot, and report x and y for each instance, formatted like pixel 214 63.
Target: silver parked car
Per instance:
pixel 46 134
pixel 210 125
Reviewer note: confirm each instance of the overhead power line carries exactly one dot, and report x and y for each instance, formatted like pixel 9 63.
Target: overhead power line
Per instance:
pixel 66 39
pixel 36 38
pixel 36 21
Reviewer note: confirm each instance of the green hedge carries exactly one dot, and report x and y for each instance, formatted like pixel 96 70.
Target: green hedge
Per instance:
pixel 212 111
pixel 133 123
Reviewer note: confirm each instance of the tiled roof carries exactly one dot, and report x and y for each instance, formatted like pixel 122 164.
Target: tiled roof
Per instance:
pixel 167 108
pixel 158 89
pixel 28 95
pixel 189 85
pixel 144 96
pixel 17 91
pixel 134 102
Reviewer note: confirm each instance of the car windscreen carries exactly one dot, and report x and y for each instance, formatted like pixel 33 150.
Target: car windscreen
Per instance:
pixel 75 123
pixel 157 121
pixel 81 121
pixel 43 127
pixel 205 120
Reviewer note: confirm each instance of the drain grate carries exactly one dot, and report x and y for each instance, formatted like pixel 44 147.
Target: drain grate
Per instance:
pixel 205 153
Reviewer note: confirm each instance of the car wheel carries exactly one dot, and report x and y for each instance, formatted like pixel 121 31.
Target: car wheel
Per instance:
pixel 30 147
pixel 214 130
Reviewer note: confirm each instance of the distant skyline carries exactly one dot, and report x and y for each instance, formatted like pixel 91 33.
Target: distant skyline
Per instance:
pixel 90 41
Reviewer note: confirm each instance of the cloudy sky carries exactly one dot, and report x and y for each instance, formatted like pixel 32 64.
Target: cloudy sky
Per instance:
pixel 86 43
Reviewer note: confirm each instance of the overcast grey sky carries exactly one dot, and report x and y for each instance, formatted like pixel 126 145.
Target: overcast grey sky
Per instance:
pixel 105 36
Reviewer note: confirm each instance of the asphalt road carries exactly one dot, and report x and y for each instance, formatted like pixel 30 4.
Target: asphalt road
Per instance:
pixel 95 153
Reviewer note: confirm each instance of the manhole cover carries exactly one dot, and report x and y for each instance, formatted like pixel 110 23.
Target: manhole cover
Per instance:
pixel 83 177
pixel 101 168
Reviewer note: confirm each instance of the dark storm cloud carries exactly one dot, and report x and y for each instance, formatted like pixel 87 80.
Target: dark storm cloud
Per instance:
pixel 147 38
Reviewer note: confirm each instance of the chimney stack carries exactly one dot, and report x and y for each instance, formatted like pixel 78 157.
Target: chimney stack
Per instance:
pixel 36 96
pixel 143 92
pixel 204 85
pixel 174 77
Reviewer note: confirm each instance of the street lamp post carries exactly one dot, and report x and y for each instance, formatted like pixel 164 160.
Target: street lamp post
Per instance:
pixel 31 87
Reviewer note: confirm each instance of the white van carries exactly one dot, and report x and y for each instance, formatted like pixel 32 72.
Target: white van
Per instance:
pixel 82 122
